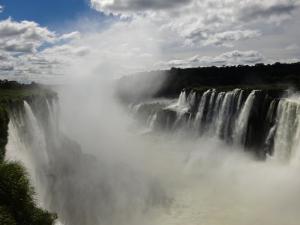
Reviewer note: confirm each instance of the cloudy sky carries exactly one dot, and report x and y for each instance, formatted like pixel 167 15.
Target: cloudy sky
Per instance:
pixel 39 40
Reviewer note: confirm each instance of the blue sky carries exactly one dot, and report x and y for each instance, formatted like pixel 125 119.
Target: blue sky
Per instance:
pixel 54 14
pixel 155 34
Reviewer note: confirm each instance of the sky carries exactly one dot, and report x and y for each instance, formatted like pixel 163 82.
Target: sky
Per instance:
pixel 54 14
pixel 39 40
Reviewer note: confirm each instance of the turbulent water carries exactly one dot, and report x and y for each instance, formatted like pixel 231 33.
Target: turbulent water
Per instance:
pixel 183 161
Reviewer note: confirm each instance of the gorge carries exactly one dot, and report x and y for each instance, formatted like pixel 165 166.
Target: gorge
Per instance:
pixel 204 156
pixel 149 112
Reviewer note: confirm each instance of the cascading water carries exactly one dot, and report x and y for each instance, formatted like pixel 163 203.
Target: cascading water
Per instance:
pixel 214 113
pixel 226 113
pixel 229 116
pixel 37 138
pixel 81 188
pixel 287 136
pixel 239 134
pixel 27 143
pixel 201 109
pixel 211 105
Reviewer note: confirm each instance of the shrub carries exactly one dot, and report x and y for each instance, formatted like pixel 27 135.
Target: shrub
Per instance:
pixel 17 205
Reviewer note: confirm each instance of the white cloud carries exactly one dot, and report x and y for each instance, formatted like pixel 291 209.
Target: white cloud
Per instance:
pixel 6 66
pixel 23 37
pixel 227 38
pixel 253 9
pixel 1 8
pixel 228 58
pixel 70 36
pixel 204 22
pixel 25 30
pixel 247 9
pixel 123 6
pixel 20 54
pixel 292 47
pixel 4 56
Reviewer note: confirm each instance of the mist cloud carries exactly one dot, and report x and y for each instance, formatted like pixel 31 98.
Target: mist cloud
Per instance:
pixel 228 58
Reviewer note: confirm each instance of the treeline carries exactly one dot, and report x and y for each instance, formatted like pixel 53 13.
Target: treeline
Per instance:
pixel 277 76
pixel 6 84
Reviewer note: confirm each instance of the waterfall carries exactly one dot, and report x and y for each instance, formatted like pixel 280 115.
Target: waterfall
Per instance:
pixel 271 111
pixel 269 140
pixel 88 189
pixel 226 112
pixel 37 137
pixel 181 107
pixel 216 112
pixel 151 122
pixel 224 115
pixel 32 144
pixel 240 99
pixel 53 121
pixel 182 99
pixel 27 144
pixel 287 137
pixel 221 112
pixel 191 99
pixel 211 105
pixel 239 135
pixel 81 188
pixel 182 104
pixel 258 120
pixel 17 151
pixel 200 113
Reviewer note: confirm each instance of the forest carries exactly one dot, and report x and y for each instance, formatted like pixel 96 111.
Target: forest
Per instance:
pixel 169 83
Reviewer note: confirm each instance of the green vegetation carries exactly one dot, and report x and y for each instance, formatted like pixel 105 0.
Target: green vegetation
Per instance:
pixel 17 203
pixel 277 77
pixel 264 77
pixel 14 91
pixel 20 94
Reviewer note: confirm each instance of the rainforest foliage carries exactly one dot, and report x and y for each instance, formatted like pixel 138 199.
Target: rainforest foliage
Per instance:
pixel 277 76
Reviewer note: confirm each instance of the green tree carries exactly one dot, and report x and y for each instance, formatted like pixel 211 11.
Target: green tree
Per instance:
pixel 17 205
